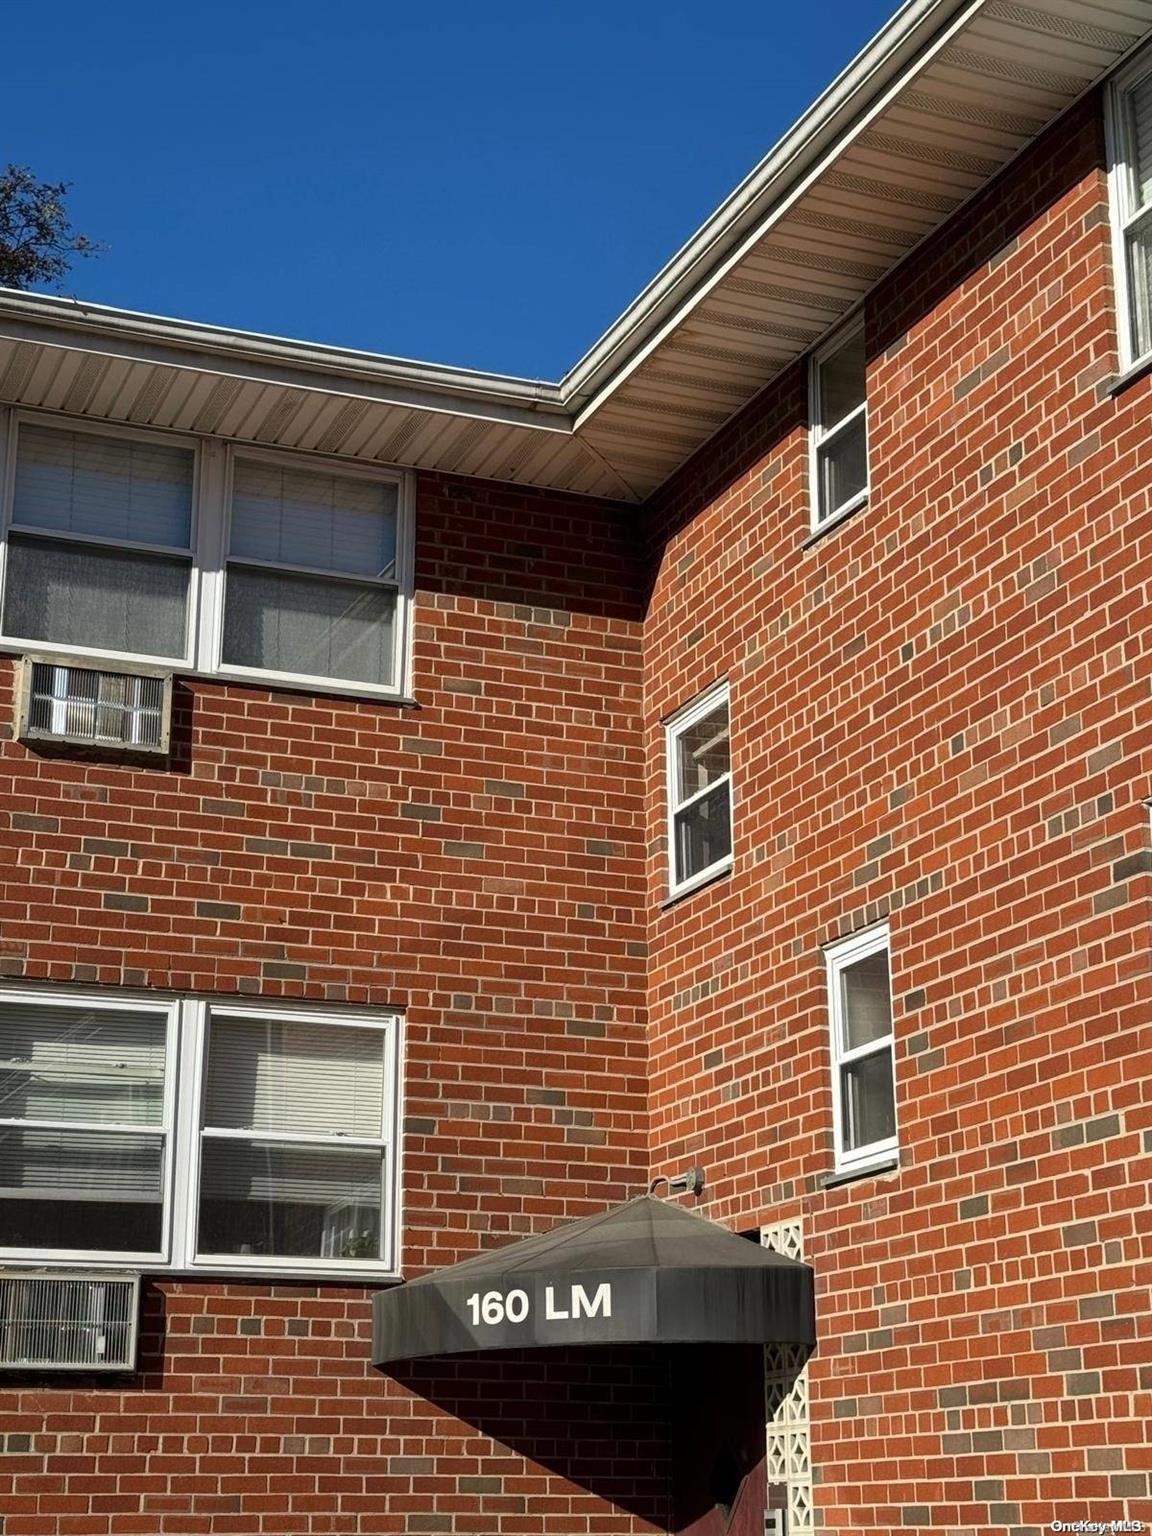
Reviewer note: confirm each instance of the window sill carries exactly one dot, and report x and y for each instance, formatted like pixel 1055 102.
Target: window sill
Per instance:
pixel 857 504
pixel 1119 382
pixel 889 1163
pixel 180 671
pixel 700 883
pixel 158 1270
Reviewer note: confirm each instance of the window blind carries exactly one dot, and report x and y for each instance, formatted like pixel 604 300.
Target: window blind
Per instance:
pixel 325 522
pixel 83 594
pixel 1140 111
pixel 82 1064
pixel 274 1174
pixel 291 1077
pixel 111 1166
pixel 120 489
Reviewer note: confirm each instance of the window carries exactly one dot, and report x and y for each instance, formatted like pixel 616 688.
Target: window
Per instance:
pixel 144 546
pixel 699 791
pixel 839 417
pixel 1130 177
pixel 863 1050
pixel 271 1149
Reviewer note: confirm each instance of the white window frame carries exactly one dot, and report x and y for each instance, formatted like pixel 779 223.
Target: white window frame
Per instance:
pixel 674 728
pixel 184 1083
pixel 1121 158
pixel 820 436
pixel 166 1129
pixel 839 957
pixel 207 556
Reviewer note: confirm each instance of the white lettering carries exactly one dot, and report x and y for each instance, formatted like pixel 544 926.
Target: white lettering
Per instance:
pixel 492 1307
pixel 550 1309
pixel 474 1302
pixel 516 1306
pixel 599 1306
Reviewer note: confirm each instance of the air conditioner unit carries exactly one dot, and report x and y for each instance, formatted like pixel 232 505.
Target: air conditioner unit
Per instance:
pixel 70 1321
pixel 115 710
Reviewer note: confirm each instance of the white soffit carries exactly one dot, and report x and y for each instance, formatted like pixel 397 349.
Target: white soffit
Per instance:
pixel 944 97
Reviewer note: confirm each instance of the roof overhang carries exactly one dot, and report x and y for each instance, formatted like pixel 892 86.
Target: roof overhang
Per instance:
pixel 943 98
pixel 645 1272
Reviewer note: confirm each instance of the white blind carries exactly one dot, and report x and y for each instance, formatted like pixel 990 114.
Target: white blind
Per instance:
pixel 111 488
pixel 77 1063
pixel 334 1178
pixel 1140 107
pixel 325 522
pixel 46 1164
pixel 867 1001
pixel 275 1075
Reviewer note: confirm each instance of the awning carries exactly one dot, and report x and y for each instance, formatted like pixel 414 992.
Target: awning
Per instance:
pixel 646 1272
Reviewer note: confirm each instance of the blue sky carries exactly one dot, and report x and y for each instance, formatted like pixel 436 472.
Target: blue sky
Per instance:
pixel 486 184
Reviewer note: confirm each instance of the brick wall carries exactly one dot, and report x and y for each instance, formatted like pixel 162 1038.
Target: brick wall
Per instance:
pixel 476 860
pixel 940 716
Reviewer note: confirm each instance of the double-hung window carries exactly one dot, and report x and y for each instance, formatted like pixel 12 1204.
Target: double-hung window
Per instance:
pixel 863 1050
pixel 312 581
pixel 99 542
pixel 1130 145
pixel 699 765
pixel 839 426
pixel 146 546
pixel 183 1135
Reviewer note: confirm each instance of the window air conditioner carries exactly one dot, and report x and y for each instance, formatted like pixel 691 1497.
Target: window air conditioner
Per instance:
pixel 101 707
pixel 68 1321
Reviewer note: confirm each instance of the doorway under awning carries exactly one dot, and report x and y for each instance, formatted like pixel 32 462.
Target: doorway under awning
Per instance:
pixel 645 1272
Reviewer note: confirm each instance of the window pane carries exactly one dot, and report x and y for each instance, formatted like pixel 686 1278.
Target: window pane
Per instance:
pixel 300 518
pixel 866 1000
pixel 841 381
pixel 81 1189
pixel 268 1075
pixel 290 1202
pixel 81 594
pixel 112 488
pixel 1140 287
pixel 76 1063
pixel 309 626
pixel 843 466
pixel 702 753
pixel 703 833
pixel 869 1101
pixel 1140 127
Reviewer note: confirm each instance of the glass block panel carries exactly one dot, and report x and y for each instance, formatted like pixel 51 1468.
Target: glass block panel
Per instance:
pixel 866 1000
pixel 124 489
pixel 869 1100
pixel 309 626
pixel 101 707
pixel 703 753
pixel 271 1075
pixel 842 381
pixel 298 517
pixel 84 1064
pixel 843 466
pixel 83 594
pixel 99 1190
pixel 703 833
pixel 290 1202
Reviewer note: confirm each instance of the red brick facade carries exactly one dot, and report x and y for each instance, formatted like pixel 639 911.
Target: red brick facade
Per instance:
pixel 940 716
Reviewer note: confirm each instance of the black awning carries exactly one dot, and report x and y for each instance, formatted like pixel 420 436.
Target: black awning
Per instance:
pixel 645 1272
